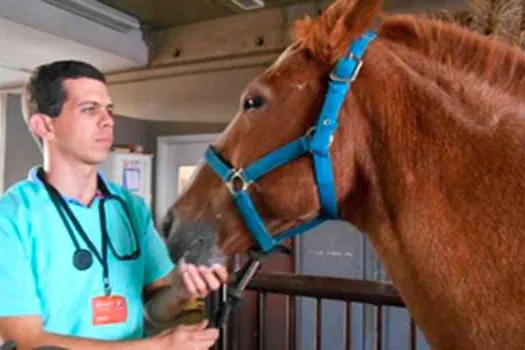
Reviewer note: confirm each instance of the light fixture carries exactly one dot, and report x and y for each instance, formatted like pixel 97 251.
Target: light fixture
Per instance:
pixel 249 4
pixel 98 12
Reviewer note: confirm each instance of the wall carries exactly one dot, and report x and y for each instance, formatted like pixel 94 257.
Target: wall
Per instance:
pixel 21 150
pixel 204 97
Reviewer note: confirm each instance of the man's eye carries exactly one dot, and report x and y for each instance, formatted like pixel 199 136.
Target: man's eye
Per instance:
pixel 89 110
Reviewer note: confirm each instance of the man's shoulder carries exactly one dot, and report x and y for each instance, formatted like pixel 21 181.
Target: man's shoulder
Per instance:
pixel 20 195
pixel 18 204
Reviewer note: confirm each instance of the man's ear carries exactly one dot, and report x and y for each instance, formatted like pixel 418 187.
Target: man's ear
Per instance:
pixel 42 126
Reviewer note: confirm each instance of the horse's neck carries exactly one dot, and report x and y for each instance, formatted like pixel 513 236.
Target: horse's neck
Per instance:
pixel 445 202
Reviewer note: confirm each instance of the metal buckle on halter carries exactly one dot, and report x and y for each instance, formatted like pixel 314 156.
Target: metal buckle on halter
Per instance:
pixel 237 174
pixel 359 63
pixel 309 134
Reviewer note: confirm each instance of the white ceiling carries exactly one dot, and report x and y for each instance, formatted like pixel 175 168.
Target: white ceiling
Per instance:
pixel 33 32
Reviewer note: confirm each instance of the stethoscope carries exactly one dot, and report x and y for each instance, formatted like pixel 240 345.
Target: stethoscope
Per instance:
pixel 83 258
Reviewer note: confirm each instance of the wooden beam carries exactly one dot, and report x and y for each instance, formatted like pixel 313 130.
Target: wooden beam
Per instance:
pixel 240 35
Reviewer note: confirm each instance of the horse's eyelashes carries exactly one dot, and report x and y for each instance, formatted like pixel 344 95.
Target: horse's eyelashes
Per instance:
pixel 253 102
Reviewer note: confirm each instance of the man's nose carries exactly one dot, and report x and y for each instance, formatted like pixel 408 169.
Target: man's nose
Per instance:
pixel 107 119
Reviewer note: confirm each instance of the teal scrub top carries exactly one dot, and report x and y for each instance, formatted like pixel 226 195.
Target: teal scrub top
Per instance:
pixel 37 275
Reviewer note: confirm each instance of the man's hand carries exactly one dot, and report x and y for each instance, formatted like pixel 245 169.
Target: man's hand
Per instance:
pixel 188 337
pixel 186 282
pixel 199 281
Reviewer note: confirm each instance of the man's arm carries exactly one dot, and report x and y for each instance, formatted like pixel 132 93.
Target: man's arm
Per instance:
pixel 28 333
pixel 163 301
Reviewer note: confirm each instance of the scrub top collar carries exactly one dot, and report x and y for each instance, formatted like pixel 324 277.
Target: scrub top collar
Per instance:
pixel 32 177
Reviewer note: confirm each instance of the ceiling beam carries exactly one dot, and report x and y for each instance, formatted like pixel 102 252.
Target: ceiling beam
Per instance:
pixel 239 35
pixel 250 33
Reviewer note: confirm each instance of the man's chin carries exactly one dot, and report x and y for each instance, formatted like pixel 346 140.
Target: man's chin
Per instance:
pixel 97 159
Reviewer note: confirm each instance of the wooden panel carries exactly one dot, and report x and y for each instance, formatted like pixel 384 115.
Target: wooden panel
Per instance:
pixel 257 32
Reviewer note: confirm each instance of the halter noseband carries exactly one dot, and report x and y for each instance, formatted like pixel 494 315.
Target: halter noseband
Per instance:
pixel 317 142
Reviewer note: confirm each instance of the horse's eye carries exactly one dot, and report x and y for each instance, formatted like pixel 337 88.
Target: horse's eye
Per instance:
pixel 252 102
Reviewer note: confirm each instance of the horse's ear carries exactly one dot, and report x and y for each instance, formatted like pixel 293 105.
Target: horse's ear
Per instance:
pixel 328 36
pixel 355 17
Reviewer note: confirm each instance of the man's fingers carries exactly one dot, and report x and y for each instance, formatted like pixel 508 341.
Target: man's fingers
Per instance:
pixel 199 281
pixel 188 282
pixel 196 278
pixel 203 324
pixel 206 335
pixel 204 345
pixel 210 278
pixel 221 272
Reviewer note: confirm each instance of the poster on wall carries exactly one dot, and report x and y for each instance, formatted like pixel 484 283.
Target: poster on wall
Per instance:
pixel 131 175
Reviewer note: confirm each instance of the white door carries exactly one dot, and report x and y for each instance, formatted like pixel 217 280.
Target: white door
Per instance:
pixel 177 156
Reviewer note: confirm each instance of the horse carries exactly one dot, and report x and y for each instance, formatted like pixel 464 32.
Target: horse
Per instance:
pixel 421 146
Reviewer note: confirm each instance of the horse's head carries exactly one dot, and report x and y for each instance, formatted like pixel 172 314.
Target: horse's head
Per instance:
pixel 282 106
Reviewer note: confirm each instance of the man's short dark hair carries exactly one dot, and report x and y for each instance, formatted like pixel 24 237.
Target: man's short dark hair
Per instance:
pixel 44 91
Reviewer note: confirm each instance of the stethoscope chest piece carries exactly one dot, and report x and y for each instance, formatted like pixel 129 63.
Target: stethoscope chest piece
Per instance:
pixel 82 259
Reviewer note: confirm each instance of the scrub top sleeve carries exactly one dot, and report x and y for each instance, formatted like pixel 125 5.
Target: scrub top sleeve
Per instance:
pixel 157 260
pixel 18 294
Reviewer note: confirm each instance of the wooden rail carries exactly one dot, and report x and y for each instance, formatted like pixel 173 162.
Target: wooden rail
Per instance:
pixel 292 286
pixel 369 292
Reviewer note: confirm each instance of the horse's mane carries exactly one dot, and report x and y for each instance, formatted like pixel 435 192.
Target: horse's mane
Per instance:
pixel 493 61
pixel 489 59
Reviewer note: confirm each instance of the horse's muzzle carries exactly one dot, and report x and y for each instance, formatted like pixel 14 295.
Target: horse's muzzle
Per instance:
pixel 193 242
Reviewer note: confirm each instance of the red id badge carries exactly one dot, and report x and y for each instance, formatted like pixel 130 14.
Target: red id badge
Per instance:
pixel 109 309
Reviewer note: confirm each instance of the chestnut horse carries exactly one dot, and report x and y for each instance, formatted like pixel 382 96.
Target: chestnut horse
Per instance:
pixel 426 154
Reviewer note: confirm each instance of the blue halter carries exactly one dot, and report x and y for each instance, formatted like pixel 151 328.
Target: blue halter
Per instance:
pixel 317 141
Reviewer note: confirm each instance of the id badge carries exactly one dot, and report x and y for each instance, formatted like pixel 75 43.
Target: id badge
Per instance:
pixel 109 309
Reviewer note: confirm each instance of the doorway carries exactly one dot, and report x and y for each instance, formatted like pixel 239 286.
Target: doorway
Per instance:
pixel 177 157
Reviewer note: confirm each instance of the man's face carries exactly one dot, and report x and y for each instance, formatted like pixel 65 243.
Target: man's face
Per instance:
pixel 84 128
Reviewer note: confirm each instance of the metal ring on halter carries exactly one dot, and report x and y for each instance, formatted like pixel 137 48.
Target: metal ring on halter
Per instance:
pixel 310 131
pixel 354 75
pixel 237 174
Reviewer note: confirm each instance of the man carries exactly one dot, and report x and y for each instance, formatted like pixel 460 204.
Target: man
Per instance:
pixel 74 273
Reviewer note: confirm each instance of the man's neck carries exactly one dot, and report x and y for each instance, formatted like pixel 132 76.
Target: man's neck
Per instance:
pixel 75 180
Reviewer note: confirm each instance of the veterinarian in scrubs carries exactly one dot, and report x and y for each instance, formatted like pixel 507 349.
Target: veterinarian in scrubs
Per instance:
pixel 80 255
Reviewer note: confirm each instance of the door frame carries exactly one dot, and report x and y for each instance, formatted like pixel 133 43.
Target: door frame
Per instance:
pixel 162 178
pixel 3 125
